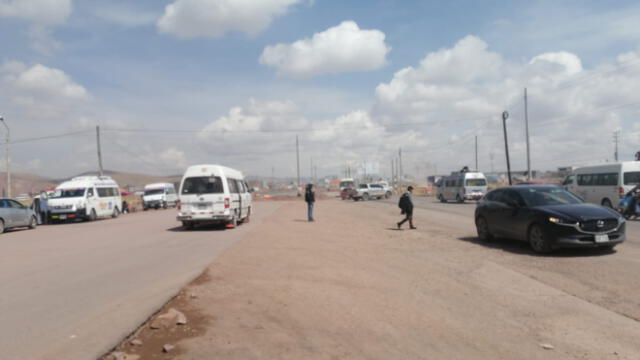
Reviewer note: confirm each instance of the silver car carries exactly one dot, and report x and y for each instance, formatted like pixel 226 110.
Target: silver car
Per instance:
pixel 13 214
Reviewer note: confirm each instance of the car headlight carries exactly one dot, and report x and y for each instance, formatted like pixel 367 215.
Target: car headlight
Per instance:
pixel 561 221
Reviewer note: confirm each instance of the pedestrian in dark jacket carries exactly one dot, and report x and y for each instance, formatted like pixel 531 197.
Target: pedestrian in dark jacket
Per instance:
pixel 406 205
pixel 310 199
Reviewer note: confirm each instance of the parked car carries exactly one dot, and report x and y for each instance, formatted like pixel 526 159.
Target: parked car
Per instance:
pixel 388 190
pixel 13 215
pixel 213 194
pixel 548 217
pixel 368 191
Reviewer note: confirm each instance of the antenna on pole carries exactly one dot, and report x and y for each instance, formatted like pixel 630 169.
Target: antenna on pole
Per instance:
pixel 616 140
pixel 99 150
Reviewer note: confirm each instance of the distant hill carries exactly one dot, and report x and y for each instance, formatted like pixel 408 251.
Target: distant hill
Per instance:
pixel 33 184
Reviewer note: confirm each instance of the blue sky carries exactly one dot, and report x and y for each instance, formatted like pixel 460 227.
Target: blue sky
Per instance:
pixel 122 69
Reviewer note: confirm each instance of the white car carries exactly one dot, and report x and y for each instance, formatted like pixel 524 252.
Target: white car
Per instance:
pixel 368 191
pixel 13 214
pixel 213 194
pixel 85 197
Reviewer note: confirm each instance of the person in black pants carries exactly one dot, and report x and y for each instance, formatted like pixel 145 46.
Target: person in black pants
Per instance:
pixel 310 199
pixel 406 205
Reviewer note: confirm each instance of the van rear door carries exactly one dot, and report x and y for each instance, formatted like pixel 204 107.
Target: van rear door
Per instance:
pixel 202 195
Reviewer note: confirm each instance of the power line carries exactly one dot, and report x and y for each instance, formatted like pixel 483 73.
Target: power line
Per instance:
pixel 25 140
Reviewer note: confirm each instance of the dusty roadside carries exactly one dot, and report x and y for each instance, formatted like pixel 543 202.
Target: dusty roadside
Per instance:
pixel 350 286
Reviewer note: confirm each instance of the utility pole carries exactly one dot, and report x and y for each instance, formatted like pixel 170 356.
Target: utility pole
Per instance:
pixel 616 139
pixel 392 171
pixel 526 125
pixel 400 167
pixel 311 169
pixel 477 153
pixel 298 162
pixel 505 116
pixel 7 156
pixel 99 150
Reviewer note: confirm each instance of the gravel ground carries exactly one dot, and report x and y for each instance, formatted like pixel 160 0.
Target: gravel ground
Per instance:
pixel 351 286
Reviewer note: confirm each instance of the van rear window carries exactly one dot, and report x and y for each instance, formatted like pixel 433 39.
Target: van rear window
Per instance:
pixel 476 182
pixel 202 185
pixel 632 178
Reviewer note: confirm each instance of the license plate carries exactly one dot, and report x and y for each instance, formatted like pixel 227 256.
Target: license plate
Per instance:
pixel 602 238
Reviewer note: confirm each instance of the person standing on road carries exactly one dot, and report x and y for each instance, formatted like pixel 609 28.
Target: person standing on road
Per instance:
pixel 310 199
pixel 406 205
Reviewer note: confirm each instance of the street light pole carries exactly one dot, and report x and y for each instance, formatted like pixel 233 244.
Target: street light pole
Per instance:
pixel 7 156
pixel 505 116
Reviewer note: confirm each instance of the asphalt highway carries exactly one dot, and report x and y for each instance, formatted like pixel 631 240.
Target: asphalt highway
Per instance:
pixel 73 291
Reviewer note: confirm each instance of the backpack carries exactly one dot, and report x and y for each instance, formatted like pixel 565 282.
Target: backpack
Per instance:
pixel 402 203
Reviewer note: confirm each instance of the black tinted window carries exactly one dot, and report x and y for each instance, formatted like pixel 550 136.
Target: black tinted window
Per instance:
pixel 202 185
pixel 548 196
pixel 510 197
pixel 632 178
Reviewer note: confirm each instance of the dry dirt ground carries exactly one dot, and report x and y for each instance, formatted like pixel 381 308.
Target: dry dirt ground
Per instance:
pixel 350 286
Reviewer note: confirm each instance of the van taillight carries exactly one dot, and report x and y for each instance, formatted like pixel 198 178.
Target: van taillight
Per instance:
pixel 226 203
pixel 621 192
pixel 178 205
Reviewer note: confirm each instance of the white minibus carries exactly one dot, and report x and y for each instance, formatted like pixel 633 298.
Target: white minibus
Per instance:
pixel 603 184
pixel 461 186
pixel 85 197
pixel 160 195
pixel 213 194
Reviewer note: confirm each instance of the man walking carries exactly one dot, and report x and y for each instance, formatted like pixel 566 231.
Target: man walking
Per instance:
pixel 406 205
pixel 310 199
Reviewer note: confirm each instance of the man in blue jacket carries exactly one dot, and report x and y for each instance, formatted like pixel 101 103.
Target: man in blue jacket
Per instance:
pixel 406 205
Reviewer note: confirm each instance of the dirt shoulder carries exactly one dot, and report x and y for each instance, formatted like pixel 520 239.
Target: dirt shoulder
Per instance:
pixel 350 286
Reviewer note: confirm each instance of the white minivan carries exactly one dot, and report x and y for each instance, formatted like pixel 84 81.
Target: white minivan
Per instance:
pixel 603 184
pixel 85 197
pixel 160 195
pixel 461 186
pixel 213 194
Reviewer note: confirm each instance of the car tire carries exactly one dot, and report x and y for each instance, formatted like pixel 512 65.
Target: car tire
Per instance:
pixel 187 225
pixel 442 200
pixel 116 212
pixel 248 217
pixel 459 199
pixel 33 223
pixel 164 205
pixel 538 240
pixel 365 197
pixel 482 227
pixel 387 195
pixel 607 203
pixel 92 215
pixel 1 226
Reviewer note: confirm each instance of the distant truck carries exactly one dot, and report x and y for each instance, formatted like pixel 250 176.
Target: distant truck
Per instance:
pixel 160 195
pixel 85 197
pixel 461 186
pixel 347 186
pixel 368 191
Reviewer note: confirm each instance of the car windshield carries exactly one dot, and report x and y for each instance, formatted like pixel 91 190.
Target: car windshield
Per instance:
pixel 68 193
pixel 363 186
pixel 632 178
pixel 548 196
pixel 202 185
pixel 154 191
pixel 346 184
pixel 476 182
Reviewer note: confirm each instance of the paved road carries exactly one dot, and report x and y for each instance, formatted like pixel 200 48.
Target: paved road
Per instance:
pixel 468 208
pixel 73 291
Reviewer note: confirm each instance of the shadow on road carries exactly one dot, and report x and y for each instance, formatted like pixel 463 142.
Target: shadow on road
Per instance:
pixel 522 248
pixel 212 227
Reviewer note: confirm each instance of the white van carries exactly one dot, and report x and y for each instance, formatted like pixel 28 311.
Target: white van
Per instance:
pixel 603 184
pixel 85 197
pixel 160 195
pixel 461 186
pixel 213 194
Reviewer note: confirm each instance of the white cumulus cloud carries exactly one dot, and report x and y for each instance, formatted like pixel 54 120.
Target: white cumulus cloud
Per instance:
pixel 40 12
pixel 342 48
pixel 213 18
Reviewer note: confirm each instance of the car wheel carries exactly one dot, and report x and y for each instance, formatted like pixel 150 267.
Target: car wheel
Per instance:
pixel 442 200
pixel 116 212
pixel 164 204
pixel 482 226
pixel 248 217
pixel 365 197
pixel 538 240
pixel 459 199
pixel 1 226
pixel 92 215
pixel 387 195
pixel 187 225
pixel 33 223
pixel 607 203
